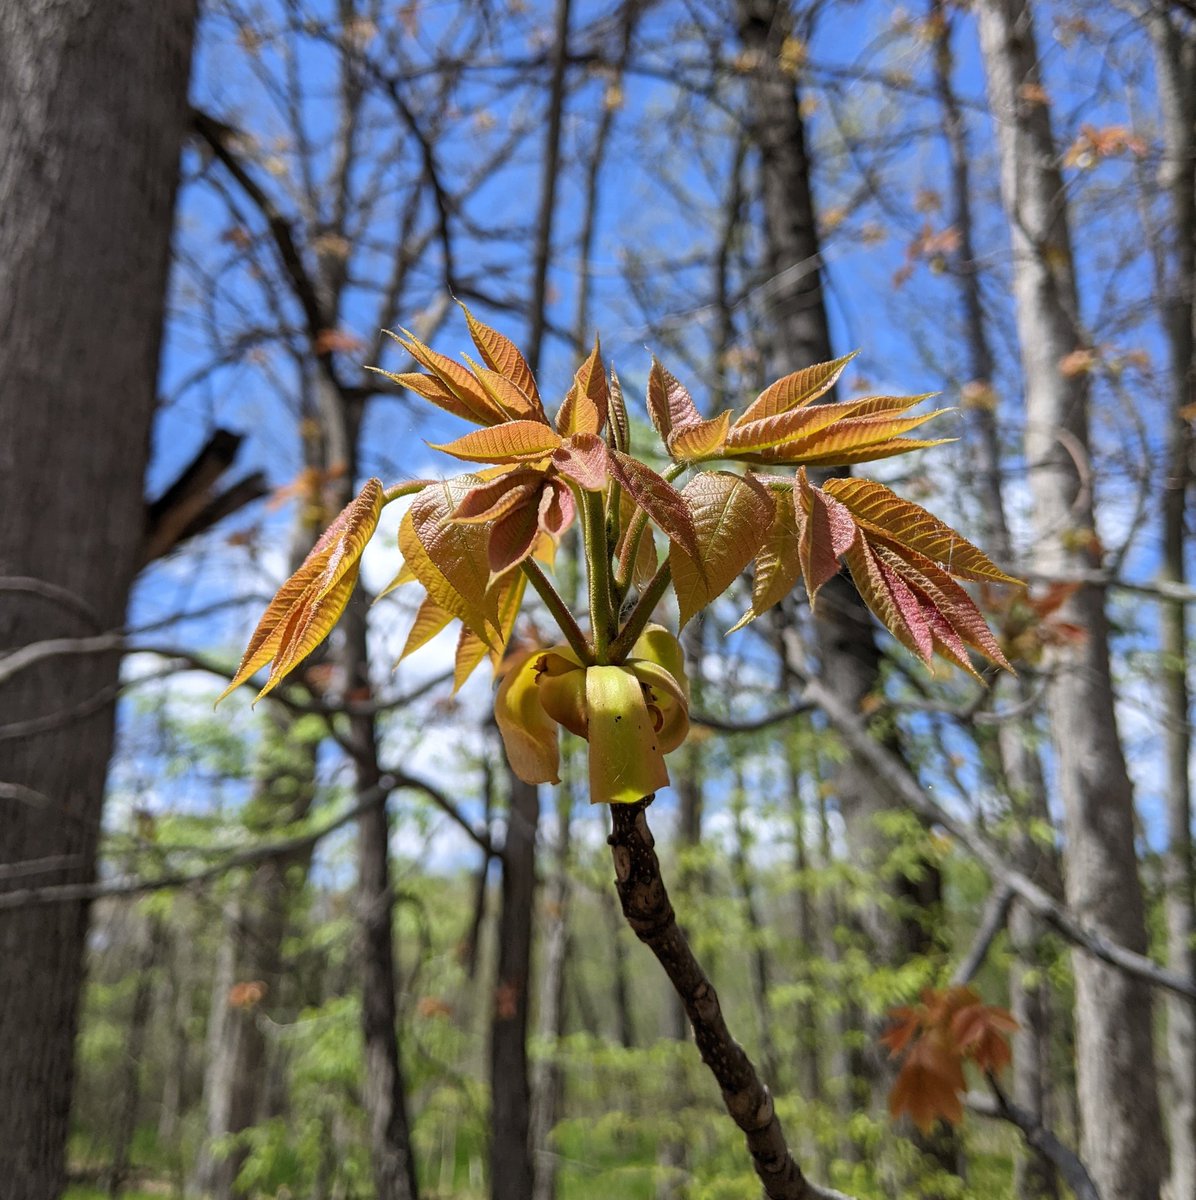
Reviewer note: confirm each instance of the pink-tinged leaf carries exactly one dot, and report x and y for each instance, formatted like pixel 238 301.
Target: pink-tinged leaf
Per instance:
pixel 869 453
pixel 670 405
pixel 909 604
pixel 796 390
pixel 457 552
pixel 620 426
pixel 947 643
pixel 778 561
pixel 502 355
pixel 496 497
pixel 430 388
pixel 516 403
pixel 901 523
pixel 557 509
pixel 826 532
pixel 512 441
pixel 895 606
pixel 705 439
pixel 513 539
pixel 585 406
pixel 942 594
pixel 658 498
pixel 429 621
pixel 584 459
pixel 454 377
pixel 731 517
pixel 342 543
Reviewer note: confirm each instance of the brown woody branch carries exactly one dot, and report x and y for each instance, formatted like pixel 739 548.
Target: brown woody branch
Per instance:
pixel 649 912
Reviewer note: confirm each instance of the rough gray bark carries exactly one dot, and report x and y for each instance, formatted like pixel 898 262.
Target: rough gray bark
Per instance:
pixel 1116 1076
pixel 1175 68
pixel 92 112
pixel 1018 763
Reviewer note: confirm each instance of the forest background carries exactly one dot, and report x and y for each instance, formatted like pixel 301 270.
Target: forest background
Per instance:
pixel 332 948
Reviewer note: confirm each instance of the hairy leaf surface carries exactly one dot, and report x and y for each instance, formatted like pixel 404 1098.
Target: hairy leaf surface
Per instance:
pixel 731 516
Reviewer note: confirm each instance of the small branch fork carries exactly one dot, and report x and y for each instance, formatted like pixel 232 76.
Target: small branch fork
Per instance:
pixel 649 912
pixel 1068 1163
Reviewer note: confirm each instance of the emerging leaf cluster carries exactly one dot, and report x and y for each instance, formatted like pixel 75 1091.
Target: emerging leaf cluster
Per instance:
pixel 474 541
pixel 934 1039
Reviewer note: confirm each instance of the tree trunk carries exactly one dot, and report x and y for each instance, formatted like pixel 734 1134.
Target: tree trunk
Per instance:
pixel 254 929
pixel 385 1088
pixel 1175 64
pixel 130 1091
pixel 549 1083
pixel 808 1033
pixel 1116 1077
pixel 92 113
pixel 511 1169
pixel 1018 764
pixel 761 969
pixel 846 643
pixel 510 1149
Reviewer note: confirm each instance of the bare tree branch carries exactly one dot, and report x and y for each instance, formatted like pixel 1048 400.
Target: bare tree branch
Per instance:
pixel 904 786
pixel 1044 1140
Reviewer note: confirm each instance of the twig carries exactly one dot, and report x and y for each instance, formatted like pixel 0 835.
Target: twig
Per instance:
pixel 67 893
pixel 992 921
pixel 54 592
pixel 893 773
pixel 1044 1140
pixel 752 724
pixel 650 914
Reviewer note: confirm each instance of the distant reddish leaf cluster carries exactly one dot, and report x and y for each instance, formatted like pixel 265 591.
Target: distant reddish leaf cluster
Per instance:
pixel 934 1039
